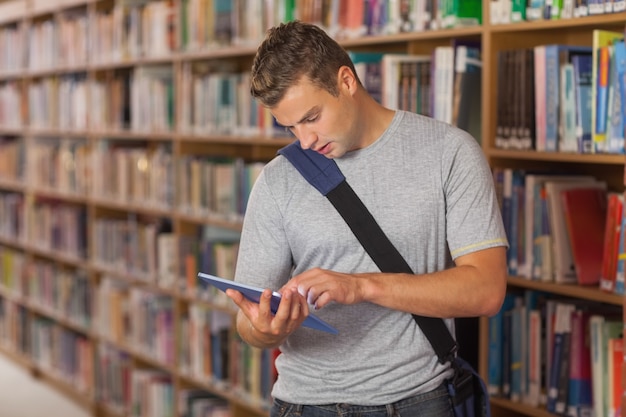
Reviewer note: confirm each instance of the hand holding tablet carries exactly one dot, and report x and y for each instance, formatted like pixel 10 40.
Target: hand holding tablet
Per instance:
pixel 254 294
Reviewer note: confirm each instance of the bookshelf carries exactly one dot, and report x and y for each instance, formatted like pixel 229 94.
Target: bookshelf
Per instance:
pixel 95 143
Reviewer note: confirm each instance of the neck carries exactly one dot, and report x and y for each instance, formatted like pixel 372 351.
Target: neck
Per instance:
pixel 375 119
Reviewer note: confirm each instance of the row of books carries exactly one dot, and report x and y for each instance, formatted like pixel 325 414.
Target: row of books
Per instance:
pixel 199 403
pixel 12 46
pixel 216 99
pixel 211 350
pixel 12 160
pixel 131 172
pixel 211 249
pixel 14 335
pixel 556 227
pixel 204 348
pixel 511 11
pixel 56 227
pixel 147 250
pixel 138 319
pixel 11 115
pixel 139 247
pixel 107 375
pixel 207 347
pixel 444 85
pixel 12 216
pixel 113 388
pixel 51 43
pixel 130 30
pixel 59 165
pixel 62 292
pixel 143 249
pixel 565 98
pixel 59 102
pixel 12 266
pixel 565 355
pixel 151 393
pixel 127 246
pixel 208 352
pixel 215 187
pixel 60 352
pixel 141 100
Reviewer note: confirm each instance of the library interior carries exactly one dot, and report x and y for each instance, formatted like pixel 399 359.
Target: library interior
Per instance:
pixel 129 143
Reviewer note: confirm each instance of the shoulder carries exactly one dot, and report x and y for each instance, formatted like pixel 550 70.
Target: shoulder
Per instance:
pixel 425 130
pixel 281 178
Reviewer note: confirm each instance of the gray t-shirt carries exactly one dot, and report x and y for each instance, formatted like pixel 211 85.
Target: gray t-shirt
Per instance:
pixel 430 189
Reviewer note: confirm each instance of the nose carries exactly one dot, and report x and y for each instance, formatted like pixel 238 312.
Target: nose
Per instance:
pixel 306 137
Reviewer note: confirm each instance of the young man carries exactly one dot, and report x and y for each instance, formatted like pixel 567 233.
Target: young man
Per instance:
pixel 430 189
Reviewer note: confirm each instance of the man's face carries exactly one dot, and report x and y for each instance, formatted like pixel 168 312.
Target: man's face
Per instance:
pixel 318 119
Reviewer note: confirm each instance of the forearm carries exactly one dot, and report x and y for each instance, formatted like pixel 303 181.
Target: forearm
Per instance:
pixel 442 294
pixel 466 290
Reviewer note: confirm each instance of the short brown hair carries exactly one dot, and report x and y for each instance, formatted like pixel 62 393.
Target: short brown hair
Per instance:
pixel 292 50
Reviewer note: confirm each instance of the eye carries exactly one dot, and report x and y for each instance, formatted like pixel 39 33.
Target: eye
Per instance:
pixel 312 119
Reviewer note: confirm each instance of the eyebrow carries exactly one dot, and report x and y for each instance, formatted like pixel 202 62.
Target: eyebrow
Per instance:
pixel 308 114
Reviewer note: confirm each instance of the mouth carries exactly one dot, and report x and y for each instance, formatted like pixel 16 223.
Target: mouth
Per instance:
pixel 324 149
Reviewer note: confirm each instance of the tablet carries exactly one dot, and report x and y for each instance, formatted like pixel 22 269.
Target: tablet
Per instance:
pixel 254 294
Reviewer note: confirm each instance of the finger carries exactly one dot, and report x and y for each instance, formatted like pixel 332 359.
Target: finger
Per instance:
pixel 284 308
pixel 322 301
pixel 265 306
pixel 235 295
pixel 300 308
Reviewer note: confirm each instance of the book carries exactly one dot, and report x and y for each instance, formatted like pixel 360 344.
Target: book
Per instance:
pixel 532 334
pixel 533 227
pixel 548 60
pixel 391 66
pixel 620 278
pixel 615 115
pixel 254 293
pixel 567 118
pixel 467 90
pixel 601 40
pixel 518 349
pixel 613 225
pixel 615 360
pixel 461 13
pixel 512 215
pixel 535 357
pixel 559 367
pixel 583 67
pixel 442 83
pixel 497 346
pixel 620 69
pixel 585 216
pixel 507 335
pixel 580 401
pixel 368 69
pixel 601 329
pixel 564 267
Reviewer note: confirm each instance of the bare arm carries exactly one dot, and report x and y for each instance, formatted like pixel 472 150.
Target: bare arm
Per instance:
pixel 474 287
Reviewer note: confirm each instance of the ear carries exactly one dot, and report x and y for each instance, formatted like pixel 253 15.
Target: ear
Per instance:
pixel 347 80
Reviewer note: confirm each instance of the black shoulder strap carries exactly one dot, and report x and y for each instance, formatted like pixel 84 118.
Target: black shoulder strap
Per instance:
pixel 324 174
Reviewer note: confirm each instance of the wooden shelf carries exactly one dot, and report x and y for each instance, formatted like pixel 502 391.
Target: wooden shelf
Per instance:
pixel 568 290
